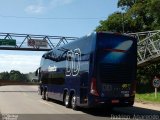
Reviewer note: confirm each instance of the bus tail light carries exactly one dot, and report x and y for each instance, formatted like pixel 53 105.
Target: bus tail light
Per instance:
pixel 94 87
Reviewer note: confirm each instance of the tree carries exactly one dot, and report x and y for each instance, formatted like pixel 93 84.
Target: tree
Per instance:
pixel 154 9
pixel 126 4
pixel 15 75
pixel 4 76
pixel 113 23
pixel 138 15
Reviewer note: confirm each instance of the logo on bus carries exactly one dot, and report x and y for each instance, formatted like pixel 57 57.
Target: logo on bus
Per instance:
pixel 73 62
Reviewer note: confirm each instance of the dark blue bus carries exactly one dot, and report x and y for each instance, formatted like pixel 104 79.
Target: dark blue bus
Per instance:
pixel 97 69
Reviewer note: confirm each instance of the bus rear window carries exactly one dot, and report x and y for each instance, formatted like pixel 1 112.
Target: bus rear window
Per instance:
pixel 115 48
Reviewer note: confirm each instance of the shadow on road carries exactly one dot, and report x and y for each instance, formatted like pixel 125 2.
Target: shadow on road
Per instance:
pixel 138 111
pixel 132 112
pixel 102 112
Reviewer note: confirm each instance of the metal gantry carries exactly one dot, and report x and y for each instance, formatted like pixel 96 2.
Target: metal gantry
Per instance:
pixel 148 44
pixel 148 47
pixel 21 41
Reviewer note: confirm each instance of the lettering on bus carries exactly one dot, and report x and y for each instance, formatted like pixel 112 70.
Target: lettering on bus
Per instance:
pixel 73 62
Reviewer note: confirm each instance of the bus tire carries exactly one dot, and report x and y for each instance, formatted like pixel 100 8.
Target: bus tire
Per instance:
pixel 43 95
pixel 131 104
pixel 67 100
pixel 74 102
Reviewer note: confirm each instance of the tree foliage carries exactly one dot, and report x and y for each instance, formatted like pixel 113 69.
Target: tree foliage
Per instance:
pixel 126 4
pixel 4 76
pixel 136 15
pixel 113 23
pixel 13 75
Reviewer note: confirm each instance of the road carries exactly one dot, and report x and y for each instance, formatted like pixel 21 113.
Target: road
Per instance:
pixel 24 103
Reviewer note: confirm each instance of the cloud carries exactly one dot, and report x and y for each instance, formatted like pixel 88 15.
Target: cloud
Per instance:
pixel 36 9
pixel 41 6
pixel 56 3
pixel 23 63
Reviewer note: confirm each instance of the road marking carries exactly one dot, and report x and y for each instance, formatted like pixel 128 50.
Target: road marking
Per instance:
pixel 44 102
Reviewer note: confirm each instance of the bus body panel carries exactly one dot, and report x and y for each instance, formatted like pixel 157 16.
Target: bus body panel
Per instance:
pixel 78 83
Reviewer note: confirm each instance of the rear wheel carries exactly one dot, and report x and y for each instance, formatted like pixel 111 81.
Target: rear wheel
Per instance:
pixel 130 104
pixel 74 102
pixel 67 100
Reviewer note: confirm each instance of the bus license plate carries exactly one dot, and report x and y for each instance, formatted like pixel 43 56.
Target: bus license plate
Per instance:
pixel 115 101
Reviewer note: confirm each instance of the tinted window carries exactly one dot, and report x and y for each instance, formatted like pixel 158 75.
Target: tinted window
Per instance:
pixel 116 49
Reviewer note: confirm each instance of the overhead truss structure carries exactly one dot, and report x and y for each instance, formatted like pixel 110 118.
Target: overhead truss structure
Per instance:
pixel 148 44
pixel 22 41
pixel 148 47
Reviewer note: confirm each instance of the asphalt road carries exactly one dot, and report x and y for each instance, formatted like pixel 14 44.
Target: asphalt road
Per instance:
pixel 23 103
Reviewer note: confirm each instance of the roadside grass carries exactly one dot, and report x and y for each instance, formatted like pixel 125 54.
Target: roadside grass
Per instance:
pixel 148 97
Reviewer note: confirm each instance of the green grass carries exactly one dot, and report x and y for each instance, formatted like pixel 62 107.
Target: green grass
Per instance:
pixel 148 97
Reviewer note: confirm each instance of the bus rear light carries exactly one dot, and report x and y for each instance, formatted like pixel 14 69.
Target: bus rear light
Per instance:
pixel 93 90
pixel 115 101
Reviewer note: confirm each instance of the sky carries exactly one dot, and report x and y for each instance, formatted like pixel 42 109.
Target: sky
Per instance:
pixel 72 18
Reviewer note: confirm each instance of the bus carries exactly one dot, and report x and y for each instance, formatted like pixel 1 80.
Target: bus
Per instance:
pixel 95 70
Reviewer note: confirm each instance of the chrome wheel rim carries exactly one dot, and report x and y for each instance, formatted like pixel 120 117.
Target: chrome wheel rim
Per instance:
pixel 73 101
pixel 66 99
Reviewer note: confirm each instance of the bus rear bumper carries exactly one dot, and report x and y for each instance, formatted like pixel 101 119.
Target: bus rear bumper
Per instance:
pixel 114 102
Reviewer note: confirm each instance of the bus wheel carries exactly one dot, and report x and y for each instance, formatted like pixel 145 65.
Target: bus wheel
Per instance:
pixel 130 104
pixel 46 96
pixel 43 95
pixel 66 100
pixel 74 102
